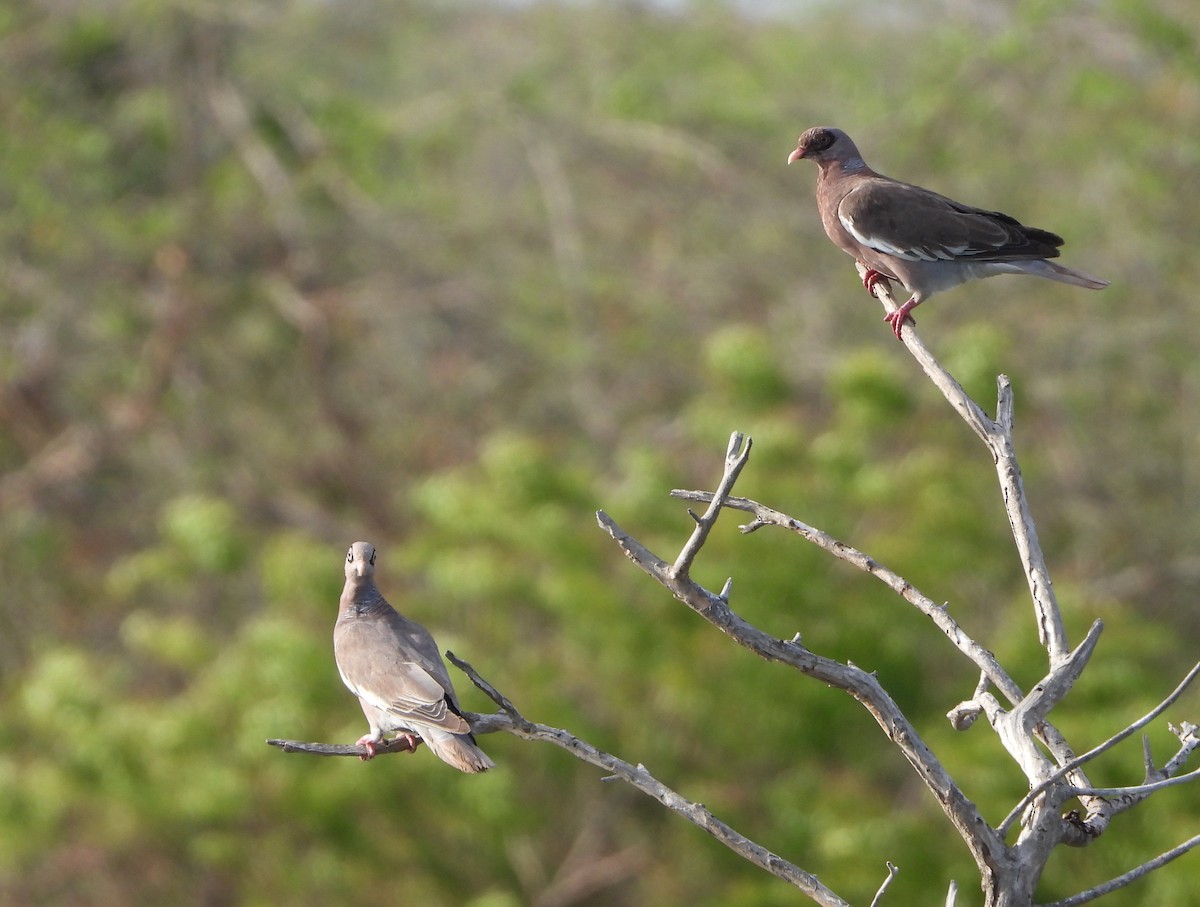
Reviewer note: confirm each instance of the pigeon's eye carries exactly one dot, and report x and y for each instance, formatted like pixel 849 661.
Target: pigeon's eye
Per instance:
pixel 350 556
pixel 372 558
pixel 822 140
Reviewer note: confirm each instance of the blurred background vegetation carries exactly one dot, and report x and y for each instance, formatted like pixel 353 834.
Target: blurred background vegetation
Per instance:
pixel 450 276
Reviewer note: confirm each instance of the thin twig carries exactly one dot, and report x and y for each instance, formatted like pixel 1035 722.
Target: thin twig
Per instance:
pixel 1097 750
pixel 639 777
pixel 737 454
pixel 1126 878
pixel 765 516
pixel 1051 631
pixel 967 408
pixel 891 876
pixel 1138 790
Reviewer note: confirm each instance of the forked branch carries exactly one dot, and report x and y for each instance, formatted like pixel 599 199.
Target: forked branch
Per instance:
pixel 1009 873
pixel 939 614
pixel 997 435
pixel 511 721
pixel 638 776
pixel 984 844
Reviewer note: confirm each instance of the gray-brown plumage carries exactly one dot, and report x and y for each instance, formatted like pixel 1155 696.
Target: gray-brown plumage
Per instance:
pixel 924 240
pixel 395 669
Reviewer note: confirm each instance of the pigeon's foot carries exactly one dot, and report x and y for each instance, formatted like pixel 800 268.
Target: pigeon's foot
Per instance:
pixel 897 318
pixel 411 742
pixel 870 278
pixel 367 742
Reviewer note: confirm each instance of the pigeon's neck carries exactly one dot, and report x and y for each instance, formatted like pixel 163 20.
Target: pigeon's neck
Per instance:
pixel 846 166
pixel 361 597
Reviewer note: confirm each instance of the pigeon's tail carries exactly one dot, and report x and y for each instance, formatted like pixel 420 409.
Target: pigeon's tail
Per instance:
pixel 458 750
pixel 1052 271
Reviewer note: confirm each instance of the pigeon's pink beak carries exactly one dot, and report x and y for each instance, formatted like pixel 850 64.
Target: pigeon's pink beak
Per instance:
pixel 796 155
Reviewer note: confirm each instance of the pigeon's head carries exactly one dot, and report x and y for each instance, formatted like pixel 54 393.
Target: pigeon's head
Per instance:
pixel 360 560
pixel 824 144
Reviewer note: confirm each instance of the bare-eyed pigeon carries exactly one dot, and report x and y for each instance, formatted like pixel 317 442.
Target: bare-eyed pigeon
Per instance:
pixel 924 240
pixel 394 668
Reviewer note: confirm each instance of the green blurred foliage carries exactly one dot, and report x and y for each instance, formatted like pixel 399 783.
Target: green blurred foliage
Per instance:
pixel 451 277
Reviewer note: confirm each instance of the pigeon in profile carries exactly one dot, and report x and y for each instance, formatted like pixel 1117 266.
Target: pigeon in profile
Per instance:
pixel 924 240
pixel 394 668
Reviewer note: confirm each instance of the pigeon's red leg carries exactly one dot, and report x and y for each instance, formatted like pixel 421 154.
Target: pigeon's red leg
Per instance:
pixel 368 743
pixel 870 278
pixel 897 318
pixel 371 745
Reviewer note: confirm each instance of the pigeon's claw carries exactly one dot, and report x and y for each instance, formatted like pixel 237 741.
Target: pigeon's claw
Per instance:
pixel 897 318
pixel 367 742
pixel 870 278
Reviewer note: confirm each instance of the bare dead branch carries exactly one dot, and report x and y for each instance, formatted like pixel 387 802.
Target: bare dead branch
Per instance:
pixel 1156 779
pixel 640 778
pixel 396 745
pixel 1126 878
pixel 1140 790
pixel 480 724
pixel 891 876
pixel 1009 875
pixel 938 613
pixel 1189 740
pixel 1053 688
pixel 962 716
pixel 967 408
pixel 982 841
pixel 736 456
pixel 998 436
pixel 1017 729
pixel 1051 632
pixel 965 714
pixel 1098 750
pixel 952 894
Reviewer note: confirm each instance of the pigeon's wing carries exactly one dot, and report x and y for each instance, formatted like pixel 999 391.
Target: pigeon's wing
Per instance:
pixel 385 670
pixel 915 224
